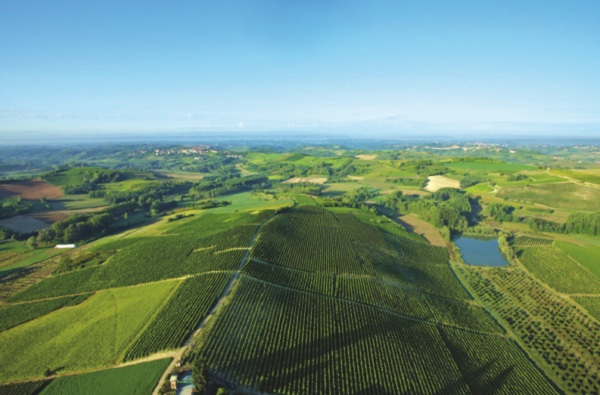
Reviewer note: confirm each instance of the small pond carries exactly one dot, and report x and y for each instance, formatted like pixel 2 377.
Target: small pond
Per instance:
pixel 480 251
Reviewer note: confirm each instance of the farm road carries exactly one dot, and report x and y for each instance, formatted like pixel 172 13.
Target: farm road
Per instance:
pixel 226 291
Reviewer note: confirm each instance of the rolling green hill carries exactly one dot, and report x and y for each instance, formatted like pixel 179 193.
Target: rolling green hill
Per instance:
pixel 307 288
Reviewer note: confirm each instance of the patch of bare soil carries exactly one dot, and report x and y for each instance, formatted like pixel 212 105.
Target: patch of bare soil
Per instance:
pixel 312 180
pixel 31 189
pixel 438 182
pixel 425 229
pixel 185 176
pixel 60 215
pixel 366 157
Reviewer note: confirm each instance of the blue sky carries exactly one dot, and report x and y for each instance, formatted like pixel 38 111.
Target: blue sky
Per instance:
pixel 335 66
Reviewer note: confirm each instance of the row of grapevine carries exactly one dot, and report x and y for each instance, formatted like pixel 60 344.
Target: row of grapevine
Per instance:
pixel 15 314
pixel 355 248
pixel 298 279
pixel 591 304
pixel 376 293
pixel 416 304
pixel 155 258
pixel 298 343
pixel 529 241
pixel 209 224
pixel 180 316
pixel 487 361
pixel 551 327
pixel 307 245
pixel 314 215
pixel 461 314
pixel 415 253
pixel 439 280
pixel 559 195
pixel 24 388
pixel 559 271
pixel 588 255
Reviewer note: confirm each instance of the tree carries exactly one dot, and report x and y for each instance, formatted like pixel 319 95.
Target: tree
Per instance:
pixel 199 374
pixel 31 242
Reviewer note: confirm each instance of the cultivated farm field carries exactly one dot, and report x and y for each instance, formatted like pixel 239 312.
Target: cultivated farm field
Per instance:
pixel 345 279
pixel 131 380
pixel 32 190
pixel 564 195
pixel 106 323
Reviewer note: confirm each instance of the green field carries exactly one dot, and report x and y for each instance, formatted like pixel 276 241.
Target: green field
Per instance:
pixel 528 241
pixel 15 255
pixel 558 270
pixel 588 175
pixel 587 255
pixel 246 202
pixel 15 314
pixel 204 243
pixel 131 380
pixel 297 343
pixel 77 202
pixel 181 315
pixel 23 388
pixel 489 167
pixel 90 335
pixel 282 292
pixel 558 335
pixel 560 195
pixel 590 303
pixel 480 189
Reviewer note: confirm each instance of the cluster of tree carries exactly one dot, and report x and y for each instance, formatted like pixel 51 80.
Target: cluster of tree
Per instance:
pixel 209 163
pixel 448 207
pixel 84 227
pixel 501 212
pixel 517 177
pixel 416 182
pixel 179 216
pixel 5 233
pixel 228 182
pixel 206 204
pixel 454 198
pixel 70 262
pixel 289 169
pixel 587 223
pixel 469 180
pixel 424 167
pixel 347 168
pixel 306 188
pixel 90 178
pixel 146 194
pixel 284 169
pixel 159 207
pixel 10 207
pixel 504 245
pixel 354 199
pixel 77 228
pixel 543 225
